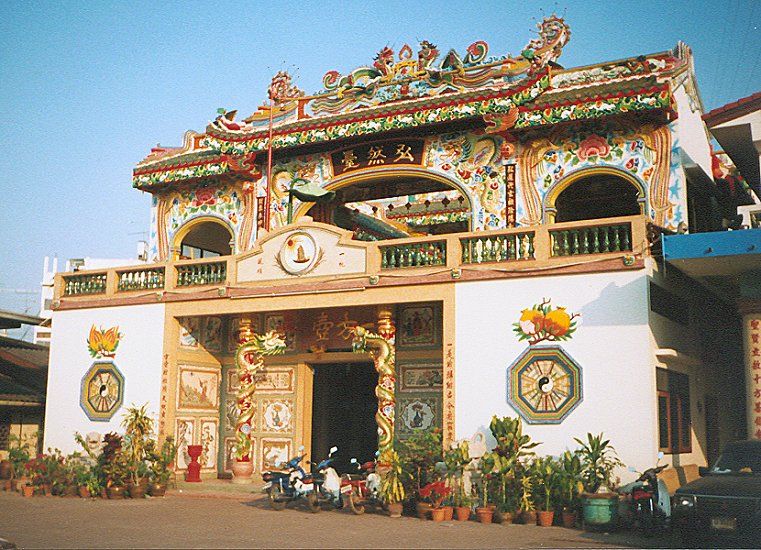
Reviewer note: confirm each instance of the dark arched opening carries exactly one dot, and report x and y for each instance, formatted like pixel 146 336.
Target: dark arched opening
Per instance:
pixel 597 196
pixel 206 240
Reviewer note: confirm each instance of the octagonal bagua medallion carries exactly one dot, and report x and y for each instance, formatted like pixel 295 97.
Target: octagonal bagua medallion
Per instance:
pixel 544 384
pixel 102 391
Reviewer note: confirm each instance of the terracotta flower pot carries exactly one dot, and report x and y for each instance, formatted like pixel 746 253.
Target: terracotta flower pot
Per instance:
pixel 448 513
pixel 545 517
pixel 569 519
pixel 507 518
pixel 6 469
pixel 462 513
pixel 157 489
pixel 27 490
pixel 485 515
pixel 395 509
pixel 423 509
pixel 242 471
pixel 115 492
pixel 136 490
pixel 438 514
pixel 528 517
pixel 84 492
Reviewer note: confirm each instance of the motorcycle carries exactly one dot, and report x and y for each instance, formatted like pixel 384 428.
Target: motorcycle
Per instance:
pixel 327 483
pixel 290 484
pixel 650 503
pixel 362 489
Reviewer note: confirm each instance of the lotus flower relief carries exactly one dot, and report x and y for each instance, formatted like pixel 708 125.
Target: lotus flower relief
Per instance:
pixel 593 145
pixel 103 343
pixel 543 322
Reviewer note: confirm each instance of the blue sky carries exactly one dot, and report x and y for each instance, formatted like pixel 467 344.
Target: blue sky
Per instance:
pixel 87 88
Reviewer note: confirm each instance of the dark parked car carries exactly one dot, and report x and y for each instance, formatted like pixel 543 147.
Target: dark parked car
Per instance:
pixel 725 503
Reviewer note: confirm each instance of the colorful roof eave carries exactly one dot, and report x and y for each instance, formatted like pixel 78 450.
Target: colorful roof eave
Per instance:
pixel 188 166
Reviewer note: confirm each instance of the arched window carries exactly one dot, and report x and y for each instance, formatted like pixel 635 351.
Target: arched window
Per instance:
pixel 597 196
pixel 205 239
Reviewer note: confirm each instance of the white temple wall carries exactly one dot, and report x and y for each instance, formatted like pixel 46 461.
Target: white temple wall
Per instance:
pixel 611 344
pixel 138 357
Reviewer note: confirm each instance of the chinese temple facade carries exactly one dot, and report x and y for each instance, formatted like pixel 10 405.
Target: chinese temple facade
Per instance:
pixel 496 221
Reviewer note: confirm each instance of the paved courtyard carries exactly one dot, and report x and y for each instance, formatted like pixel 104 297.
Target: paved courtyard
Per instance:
pixel 192 522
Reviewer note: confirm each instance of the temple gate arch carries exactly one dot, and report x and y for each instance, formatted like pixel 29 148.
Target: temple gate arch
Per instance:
pixel 206 235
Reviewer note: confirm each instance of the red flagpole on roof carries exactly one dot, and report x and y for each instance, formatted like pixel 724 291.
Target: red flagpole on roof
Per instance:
pixel 268 196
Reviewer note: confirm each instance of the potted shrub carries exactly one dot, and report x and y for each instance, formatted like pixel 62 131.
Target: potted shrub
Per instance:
pixel 598 461
pixel 456 459
pixel 94 485
pixel 114 465
pixel 161 463
pixel 547 478
pixel 419 454
pixel 391 490
pixel 436 492
pixel 19 453
pixel 138 433
pixel 485 512
pixel 569 482
pixel 526 502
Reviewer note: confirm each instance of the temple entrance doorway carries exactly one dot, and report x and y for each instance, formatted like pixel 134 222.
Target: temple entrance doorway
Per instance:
pixel 343 412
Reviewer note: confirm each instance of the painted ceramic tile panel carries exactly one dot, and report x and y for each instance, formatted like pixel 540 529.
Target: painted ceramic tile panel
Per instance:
pixel 208 442
pixel 189 332
pixel 418 413
pixel 275 380
pixel 184 431
pixel 274 452
pixel 277 415
pixel 417 327
pixel 212 334
pixel 198 389
pixel 233 383
pixel 421 376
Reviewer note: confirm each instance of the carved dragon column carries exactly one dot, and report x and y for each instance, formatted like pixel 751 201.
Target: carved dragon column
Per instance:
pixel 384 358
pixel 249 360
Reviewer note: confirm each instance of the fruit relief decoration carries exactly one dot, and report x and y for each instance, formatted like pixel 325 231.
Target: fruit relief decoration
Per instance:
pixel 542 322
pixel 103 343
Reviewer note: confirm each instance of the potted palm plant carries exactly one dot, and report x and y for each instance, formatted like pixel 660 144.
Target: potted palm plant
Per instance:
pixel 598 461
pixel 392 489
pixel 547 478
pixel 570 479
pixel 161 462
pixel 138 433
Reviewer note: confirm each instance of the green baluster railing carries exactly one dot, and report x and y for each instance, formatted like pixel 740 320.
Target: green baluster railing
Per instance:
pixel 401 256
pixel 208 273
pixel 599 239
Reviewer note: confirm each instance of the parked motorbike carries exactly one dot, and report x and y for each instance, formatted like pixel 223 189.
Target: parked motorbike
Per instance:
pixel 650 503
pixel 290 484
pixel 327 482
pixel 362 489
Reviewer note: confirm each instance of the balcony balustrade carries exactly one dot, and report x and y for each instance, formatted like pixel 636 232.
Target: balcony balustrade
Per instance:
pixel 520 248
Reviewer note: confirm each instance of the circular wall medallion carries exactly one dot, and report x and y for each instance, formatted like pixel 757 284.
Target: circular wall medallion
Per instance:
pixel 102 391
pixel 544 385
pixel 299 253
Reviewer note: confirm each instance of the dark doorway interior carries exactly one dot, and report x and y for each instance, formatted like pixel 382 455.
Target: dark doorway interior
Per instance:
pixel 596 197
pixel 343 412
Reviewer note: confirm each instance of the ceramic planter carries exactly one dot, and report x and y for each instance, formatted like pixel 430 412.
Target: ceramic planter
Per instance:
pixel 569 519
pixel 242 471
pixel 423 509
pixel 448 513
pixel 136 490
pixel 157 489
pixel 506 518
pixel 528 517
pixel 485 515
pixel 115 492
pixel 84 492
pixel 600 510
pixel 438 514
pixel 545 517
pixel 395 509
pixel 462 513
pixel 27 490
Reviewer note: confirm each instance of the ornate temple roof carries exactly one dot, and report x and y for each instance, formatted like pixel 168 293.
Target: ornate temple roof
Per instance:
pixel 402 91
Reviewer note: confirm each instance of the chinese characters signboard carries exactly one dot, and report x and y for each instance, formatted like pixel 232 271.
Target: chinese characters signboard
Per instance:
pixel 753 374
pixel 390 153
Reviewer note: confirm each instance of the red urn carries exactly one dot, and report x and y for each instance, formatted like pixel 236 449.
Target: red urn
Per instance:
pixel 194 468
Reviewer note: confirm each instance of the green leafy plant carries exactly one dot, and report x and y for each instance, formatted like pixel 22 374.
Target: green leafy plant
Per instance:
pixel 138 434
pixel 486 471
pixel 419 454
pixel 514 449
pixel 392 487
pixel 456 459
pixel 113 462
pixel 526 483
pixel 547 477
pixel 19 453
pixel 161 460
pixel 570 469
pixel 598 461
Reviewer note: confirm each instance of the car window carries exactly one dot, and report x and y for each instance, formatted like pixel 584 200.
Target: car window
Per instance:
pixel 738 460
